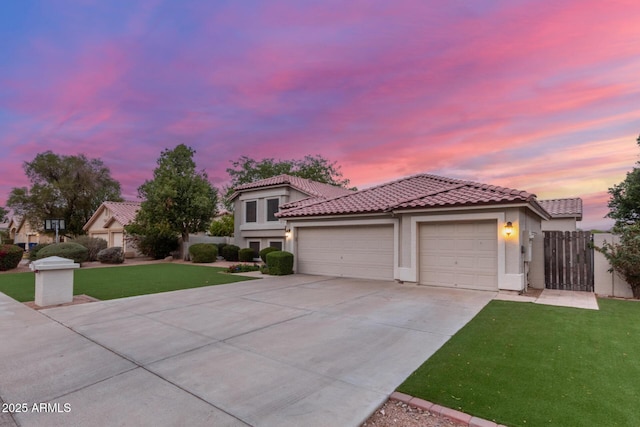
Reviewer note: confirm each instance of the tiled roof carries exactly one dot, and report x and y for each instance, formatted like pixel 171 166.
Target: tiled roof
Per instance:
pixel 123 212
pixel 563 208
pixel 418 191
pixel 307 186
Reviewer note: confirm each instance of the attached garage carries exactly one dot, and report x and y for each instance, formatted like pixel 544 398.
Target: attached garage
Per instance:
pixel 346 251
pixel 459 254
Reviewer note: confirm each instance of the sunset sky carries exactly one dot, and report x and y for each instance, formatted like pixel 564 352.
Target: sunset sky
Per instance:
pixel 542 96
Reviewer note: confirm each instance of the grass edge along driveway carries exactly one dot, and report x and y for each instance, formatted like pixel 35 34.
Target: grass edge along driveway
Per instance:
pixel 524 364
pixel 124 281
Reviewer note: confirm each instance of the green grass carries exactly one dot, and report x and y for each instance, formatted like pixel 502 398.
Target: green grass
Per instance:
pixel 124 281
pixel 525 364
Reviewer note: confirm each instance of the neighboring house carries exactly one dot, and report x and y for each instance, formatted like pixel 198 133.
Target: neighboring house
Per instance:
pixel 423 228
pixel 23 233
pixel 256 204
pixel 108 223
pixel 564 214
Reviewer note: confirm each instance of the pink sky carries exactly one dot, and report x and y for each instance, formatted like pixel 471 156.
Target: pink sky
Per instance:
pixel 538 96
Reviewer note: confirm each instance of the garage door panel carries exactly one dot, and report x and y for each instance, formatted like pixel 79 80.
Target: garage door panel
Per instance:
pixel 364 252
pixel 464 254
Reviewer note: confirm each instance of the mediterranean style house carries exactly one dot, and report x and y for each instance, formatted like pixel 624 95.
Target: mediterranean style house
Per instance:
pixel 423 228
pixel 108 223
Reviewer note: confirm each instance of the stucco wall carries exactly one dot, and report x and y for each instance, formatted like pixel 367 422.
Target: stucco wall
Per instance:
pixel 606 283
pixel 559 224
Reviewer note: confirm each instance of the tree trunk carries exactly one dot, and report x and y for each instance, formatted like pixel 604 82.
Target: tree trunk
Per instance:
pixel 185 247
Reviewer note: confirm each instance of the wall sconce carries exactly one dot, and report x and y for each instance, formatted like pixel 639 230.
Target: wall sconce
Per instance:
pixel 508 228
pixel 287 233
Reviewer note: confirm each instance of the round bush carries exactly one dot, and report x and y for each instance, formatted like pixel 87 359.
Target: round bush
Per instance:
pixel 113 255
pixel 246 255
pixel 203 252
pixel 280 263
pixel 33 253
pixel 74 251
pixel 10 256
pixel 230 252
pixel 265 251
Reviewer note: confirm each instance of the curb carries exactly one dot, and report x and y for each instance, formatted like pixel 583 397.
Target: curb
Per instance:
pixel 452 414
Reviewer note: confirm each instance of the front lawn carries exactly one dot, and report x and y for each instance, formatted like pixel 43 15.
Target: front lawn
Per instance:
pixel 124 281
pixel 524 364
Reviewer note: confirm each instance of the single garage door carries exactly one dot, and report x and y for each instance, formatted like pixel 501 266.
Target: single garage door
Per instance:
pixel 363 251
pixel 459 254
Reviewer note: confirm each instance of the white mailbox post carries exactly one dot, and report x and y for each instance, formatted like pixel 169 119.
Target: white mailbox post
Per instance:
pixel 54 280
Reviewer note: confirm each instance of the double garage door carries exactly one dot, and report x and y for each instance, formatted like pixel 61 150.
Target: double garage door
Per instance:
pixel 450 254
pixel 459 254
pixel 365 252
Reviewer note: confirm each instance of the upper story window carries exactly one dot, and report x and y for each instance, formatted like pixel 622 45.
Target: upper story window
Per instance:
pixel 272 209
pixel 251 209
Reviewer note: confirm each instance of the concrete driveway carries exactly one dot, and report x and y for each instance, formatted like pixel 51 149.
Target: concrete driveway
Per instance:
pixel 281 351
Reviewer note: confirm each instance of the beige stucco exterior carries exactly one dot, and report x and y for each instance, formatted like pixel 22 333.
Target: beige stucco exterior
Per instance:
pixel 262 231
pixel 21 231
pixel 103 226
pixel 513 265
pixel 607 283
pixel 560 224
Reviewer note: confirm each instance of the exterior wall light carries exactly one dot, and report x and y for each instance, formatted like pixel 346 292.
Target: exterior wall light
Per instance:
pixel 508 228
pixel 287 233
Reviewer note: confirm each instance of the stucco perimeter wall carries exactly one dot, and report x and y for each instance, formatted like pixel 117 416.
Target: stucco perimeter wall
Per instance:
pixel 606 283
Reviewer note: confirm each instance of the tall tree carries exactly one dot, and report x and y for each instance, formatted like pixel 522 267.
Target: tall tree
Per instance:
pixel 624 204
pixel 69 187
pixel 178 195
pixel 3 214
pixel 316 168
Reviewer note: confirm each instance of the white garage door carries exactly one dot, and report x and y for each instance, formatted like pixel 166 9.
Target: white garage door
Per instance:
pixel 364 252
pixel 118 239
pixel 459 254
pixel 103 236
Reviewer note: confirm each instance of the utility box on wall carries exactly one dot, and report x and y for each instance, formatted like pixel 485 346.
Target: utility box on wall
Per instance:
pixel 54 280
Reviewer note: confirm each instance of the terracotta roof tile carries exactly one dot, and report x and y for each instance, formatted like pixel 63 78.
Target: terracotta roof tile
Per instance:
pixel 563 208
pixel 123 212
pixel 307 186
pixel 418 191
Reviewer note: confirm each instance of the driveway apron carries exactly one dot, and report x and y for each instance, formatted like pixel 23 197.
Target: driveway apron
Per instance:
pixel 281 351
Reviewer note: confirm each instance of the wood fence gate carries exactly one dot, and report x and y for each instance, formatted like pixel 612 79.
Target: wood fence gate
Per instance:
pixel 568 260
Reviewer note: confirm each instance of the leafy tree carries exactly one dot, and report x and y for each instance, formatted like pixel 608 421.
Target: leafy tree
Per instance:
pixel 624 257
pixel 624 205
pixel 69 187
pixel 3 214
pixel 316 168
pixel 178 196
pixel 222 226
pixel 154 240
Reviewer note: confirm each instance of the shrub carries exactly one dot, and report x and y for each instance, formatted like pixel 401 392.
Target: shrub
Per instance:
pixel 246 255
pixel 203 252
pixel 156 241
pixel 93 245
pixel 242 268
pixel 624 257
pixel 33 253
pixel 280 263
pixel 230 252
pixel 265 251
pixel 220 247
pixel 113 255
pixel 74 251
pixel 10 256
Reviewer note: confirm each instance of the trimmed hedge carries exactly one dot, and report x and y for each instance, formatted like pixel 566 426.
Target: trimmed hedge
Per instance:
pixel 10 256
pixel 93 245
pixel 113 255
pixel 280 263
pixel 33 253
pixel 203 252
pixel 230 252
pixel 246 255
pixel 265 251
pixel 70 250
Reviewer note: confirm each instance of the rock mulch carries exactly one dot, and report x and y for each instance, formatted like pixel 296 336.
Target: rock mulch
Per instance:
pixel 398 414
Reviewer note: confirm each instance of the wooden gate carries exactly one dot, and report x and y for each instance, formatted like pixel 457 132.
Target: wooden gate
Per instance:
pixel 568 260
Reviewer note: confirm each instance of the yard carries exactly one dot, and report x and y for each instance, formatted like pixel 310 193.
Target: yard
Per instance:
pixel 124 281
pixel 525 364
